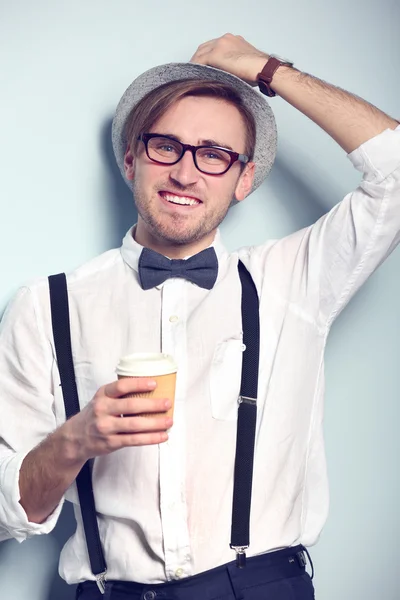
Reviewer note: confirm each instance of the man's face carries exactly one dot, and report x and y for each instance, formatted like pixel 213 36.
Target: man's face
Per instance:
pixel 165 223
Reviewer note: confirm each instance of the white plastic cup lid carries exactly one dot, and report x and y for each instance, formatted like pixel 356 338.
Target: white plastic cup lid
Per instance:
pixel 146 364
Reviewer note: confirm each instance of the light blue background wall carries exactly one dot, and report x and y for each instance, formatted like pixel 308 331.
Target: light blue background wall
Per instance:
pixel 63 68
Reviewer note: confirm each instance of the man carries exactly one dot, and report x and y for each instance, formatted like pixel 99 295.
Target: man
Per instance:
pixel 163 490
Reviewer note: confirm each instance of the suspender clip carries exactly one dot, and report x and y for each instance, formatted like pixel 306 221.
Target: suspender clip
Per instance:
pixel 240 556
pixel 247 400
pixel 101 582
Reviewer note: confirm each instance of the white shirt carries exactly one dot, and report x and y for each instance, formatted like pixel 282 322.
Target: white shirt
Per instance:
pixel 165 511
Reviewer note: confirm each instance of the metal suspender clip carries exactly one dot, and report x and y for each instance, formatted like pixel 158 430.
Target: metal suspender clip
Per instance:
pixel 247 400
pixel 240 555
pixel 101 582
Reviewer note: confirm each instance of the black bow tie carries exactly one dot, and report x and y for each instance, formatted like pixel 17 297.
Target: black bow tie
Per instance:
pixel 201 269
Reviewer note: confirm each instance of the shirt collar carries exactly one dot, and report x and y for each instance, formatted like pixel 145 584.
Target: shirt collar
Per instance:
pixel 131 250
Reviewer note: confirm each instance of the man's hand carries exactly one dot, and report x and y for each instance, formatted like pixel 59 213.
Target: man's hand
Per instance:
pixel 99 429
pixel 233 54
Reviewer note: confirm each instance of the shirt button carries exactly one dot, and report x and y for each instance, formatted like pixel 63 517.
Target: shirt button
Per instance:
pixel 149 595
pixel 173 319
pixel 179 573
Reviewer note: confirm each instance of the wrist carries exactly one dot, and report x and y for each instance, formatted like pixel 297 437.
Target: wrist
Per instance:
pixel 71 447
pixel 259 63
pixel 268 78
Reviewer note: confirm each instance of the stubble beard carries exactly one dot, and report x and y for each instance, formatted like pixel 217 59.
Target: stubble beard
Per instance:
pixel 177 229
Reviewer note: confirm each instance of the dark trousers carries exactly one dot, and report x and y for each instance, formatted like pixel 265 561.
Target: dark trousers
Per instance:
pixel 277 575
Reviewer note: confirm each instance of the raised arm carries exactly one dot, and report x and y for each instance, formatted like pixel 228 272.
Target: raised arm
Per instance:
pixel 348 119
pixel 329 260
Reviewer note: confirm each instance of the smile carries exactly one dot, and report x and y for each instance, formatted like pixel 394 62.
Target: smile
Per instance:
pixel 182 200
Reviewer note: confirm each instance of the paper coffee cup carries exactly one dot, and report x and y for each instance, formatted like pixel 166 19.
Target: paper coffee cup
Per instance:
pixel 160 367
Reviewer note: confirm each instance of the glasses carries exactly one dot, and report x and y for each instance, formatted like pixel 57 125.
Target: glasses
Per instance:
pixel 211 160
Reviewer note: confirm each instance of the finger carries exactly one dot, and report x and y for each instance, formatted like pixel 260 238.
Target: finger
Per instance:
pixel 202 51
pixel 198 60
pixel 138 425
pixel 139 439
pixel 138 405
pixel 128 385
pixel 207 44
pixel 200 56
pixel 115 442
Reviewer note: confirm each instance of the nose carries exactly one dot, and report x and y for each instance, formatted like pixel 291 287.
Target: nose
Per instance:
pixel 185 172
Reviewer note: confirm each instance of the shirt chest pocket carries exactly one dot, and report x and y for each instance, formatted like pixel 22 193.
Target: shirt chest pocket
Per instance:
pixel 225 378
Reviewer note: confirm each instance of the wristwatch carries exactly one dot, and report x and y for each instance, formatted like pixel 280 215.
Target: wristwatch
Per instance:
pixel 265 77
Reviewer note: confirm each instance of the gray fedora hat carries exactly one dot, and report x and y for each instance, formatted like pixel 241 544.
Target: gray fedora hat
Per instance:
pixel 266 138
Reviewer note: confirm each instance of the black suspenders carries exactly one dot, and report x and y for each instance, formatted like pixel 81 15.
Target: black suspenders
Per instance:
pixel 62 341
pixel 246 425
pixel 247 417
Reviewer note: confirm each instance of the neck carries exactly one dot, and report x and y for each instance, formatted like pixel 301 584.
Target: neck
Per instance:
pixel 171 249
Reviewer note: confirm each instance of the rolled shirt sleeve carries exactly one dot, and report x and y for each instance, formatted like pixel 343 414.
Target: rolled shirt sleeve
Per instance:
pixel 13 519
pixel 357 235
pixel 26 408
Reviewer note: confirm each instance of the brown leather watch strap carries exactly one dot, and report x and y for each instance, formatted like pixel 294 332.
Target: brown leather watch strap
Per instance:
pixel 265 77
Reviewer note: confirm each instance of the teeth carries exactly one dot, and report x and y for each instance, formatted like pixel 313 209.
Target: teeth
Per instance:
pixel 180 200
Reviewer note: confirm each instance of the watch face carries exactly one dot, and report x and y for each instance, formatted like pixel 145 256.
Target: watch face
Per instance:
pixel 283 60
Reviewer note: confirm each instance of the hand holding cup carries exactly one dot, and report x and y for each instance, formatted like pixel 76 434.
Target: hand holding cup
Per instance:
pixel 142 395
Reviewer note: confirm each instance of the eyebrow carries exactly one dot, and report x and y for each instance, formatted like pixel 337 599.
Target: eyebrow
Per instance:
pixel 208 142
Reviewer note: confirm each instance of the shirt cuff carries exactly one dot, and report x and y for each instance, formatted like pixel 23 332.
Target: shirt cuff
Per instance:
pixel 13 518
pixel 380 155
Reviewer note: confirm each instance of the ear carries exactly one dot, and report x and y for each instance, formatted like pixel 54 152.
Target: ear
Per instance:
pixel 129 164
pixel 245 182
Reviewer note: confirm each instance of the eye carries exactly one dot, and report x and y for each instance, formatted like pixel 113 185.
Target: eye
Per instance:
pixel 211 154
pixel 162 146
pixel 166 147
